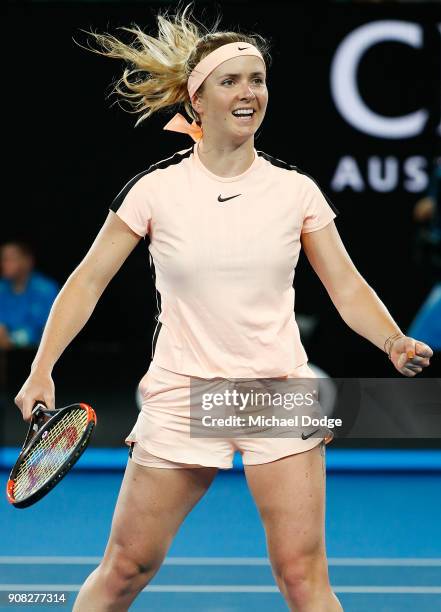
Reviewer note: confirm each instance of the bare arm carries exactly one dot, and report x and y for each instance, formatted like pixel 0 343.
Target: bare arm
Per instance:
pixel 357 303
pixel 75 304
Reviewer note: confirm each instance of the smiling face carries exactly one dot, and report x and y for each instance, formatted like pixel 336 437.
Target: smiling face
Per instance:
pixel 229 93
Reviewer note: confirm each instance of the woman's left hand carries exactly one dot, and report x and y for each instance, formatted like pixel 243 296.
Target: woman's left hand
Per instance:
pixel 410 356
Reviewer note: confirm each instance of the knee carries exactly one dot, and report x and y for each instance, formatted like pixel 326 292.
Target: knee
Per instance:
pixel 303 576
pixel 122 575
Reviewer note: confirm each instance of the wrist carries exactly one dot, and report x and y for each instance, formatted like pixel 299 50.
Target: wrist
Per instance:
pixel 390 341
pixel 41 369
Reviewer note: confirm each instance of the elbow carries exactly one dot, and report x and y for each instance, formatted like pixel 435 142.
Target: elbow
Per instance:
pixel 85 283
pixel 349 292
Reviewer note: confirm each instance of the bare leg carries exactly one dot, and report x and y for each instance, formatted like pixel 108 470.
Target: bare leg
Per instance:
pixel 290 496
pixel 151 506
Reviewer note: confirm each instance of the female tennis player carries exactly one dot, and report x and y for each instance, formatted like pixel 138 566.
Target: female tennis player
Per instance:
pixel 225 225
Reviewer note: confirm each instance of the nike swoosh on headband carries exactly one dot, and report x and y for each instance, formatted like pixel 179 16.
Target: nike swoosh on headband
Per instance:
pixel 242 48
pixel 221 199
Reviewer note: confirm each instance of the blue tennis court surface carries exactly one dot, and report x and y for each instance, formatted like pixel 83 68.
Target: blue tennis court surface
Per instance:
pixel 383 542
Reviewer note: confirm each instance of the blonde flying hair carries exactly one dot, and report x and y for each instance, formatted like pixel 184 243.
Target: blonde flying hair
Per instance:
pixel 159 67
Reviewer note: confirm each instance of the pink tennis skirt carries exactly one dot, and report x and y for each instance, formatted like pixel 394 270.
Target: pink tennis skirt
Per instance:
pixel 161 435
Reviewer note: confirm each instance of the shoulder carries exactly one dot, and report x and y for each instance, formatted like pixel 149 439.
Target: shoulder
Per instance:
pixel 156 172
pixel 169 164
pixel 277 163
pixel 307 187
pixel 290 170
pixel 172 162
pixel 287 169
pixel 285 166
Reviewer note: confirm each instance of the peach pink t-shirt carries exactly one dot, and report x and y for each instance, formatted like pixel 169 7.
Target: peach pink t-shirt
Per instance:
pixel 223 253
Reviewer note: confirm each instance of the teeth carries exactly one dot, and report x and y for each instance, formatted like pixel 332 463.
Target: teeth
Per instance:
pixel 243 112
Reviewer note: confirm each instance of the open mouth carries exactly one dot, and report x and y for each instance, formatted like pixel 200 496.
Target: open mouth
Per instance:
pixel 244 116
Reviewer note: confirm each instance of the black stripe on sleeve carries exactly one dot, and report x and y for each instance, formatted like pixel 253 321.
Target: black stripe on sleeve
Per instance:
pixel 125 190
pixel 176 158
pixel 281 164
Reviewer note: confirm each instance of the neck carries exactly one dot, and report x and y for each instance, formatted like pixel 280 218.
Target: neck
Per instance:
pixel 226 159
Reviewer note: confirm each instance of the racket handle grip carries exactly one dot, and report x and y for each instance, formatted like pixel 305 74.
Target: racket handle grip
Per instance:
pixel 40 414
pixel 38 405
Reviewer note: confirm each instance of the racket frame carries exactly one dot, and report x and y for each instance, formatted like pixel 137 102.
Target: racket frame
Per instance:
pixel 37 428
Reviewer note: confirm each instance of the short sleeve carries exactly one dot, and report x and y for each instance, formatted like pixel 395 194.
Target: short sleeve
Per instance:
pixel 132 204
pixel 318 210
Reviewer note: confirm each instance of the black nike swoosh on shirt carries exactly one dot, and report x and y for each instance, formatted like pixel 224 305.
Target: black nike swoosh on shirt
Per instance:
pixel 242 48
pixel 309 435
pixel 221 199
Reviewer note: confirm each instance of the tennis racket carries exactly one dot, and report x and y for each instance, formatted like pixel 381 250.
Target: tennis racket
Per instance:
pixel 55 441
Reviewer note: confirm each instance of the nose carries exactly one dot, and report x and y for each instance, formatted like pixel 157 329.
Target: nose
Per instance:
pixel 247 92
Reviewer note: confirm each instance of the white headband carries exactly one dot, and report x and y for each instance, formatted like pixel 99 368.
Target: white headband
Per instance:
pixel 214 59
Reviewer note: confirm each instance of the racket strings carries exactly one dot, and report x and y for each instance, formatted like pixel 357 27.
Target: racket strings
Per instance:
pixel 50 453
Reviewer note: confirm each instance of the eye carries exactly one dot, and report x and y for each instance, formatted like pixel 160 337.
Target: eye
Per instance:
pixel 227 81
pixel 259 80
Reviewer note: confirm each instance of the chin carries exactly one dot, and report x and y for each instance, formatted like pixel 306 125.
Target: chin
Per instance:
pixel 243 137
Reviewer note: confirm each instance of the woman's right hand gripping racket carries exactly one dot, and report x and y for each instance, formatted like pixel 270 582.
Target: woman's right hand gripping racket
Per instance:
pixel 55 441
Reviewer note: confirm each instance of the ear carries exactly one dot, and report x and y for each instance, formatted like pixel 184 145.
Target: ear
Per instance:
pixel 196 103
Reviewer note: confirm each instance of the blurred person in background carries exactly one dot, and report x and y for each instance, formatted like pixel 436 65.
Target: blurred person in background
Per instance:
pixel 26 297
pixel 427 213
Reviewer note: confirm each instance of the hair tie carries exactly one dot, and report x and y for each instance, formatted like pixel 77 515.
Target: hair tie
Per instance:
pixel 179 123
